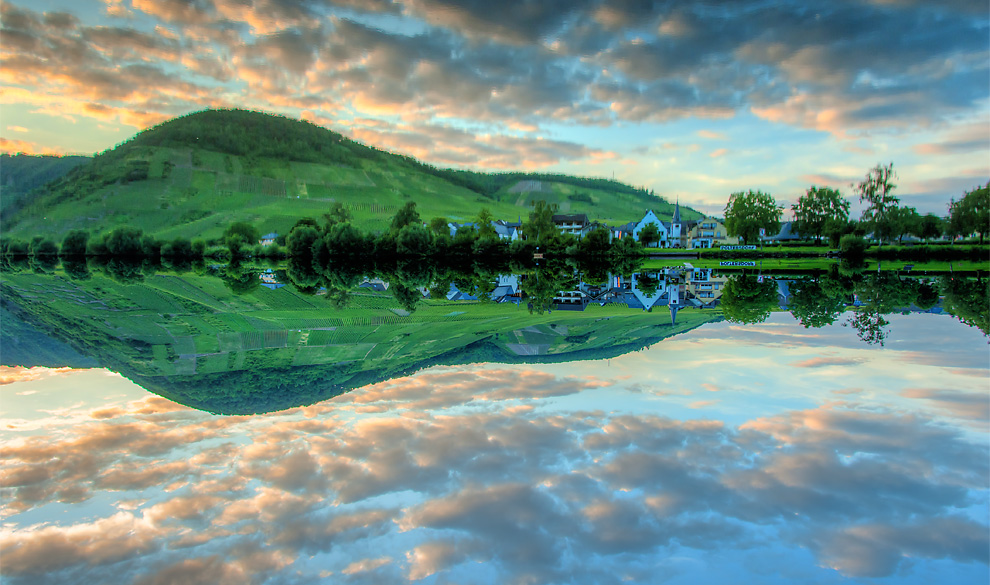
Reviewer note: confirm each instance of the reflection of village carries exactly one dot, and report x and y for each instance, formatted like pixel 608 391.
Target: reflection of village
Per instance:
pixel 670 288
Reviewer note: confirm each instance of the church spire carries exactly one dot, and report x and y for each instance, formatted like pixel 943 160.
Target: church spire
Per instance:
pixel 677 211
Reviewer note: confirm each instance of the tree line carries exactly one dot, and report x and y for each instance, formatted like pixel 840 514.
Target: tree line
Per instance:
pixel 823 213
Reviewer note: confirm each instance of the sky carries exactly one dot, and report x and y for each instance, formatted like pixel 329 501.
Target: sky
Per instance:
pixel 695 100
pixel 733 453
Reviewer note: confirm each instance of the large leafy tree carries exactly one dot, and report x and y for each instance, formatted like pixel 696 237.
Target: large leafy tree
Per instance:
pixel 971 213
pixel 877 192
pixel 931 226
pixel 649 234
pixel 74 244
pixel 820 209
pixel 540 227
pixel 486 231
pixel 747 212
pixel 904 221
pixel 405 216
pixel 300 241
pixel 239 235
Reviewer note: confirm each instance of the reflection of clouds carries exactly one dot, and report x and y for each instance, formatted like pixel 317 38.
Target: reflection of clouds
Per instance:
pixel 973 405
pixel 11 374
pixel 521 493
pixel 821 362
pixel 453 388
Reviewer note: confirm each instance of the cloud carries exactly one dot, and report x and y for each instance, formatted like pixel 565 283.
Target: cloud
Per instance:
pixel 711 135
pixel 718 153
pixel 12 146
pixel 821 362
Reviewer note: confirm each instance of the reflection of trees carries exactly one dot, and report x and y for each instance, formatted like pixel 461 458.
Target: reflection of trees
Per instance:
pixel 820 300
pixel 967 300
pixel 881 294
pixel 747 300
pixel 76 269
pixel 927 296
pixel 869 325
pixel 240 279
pixel 123 270
pixel 542 284
pixel 647 283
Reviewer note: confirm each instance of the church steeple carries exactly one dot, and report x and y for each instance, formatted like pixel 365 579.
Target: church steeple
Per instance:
pixel 677 211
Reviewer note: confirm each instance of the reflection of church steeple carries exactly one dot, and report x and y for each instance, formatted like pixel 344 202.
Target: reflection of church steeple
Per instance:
pixel 673 314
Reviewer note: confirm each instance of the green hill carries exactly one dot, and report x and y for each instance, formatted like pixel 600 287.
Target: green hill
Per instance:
pixel 195 175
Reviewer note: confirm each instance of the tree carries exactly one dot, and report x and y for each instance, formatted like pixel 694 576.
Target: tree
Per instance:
pixel 414 240
pixel 43 247
pixel 971 213
pixel 300 241
pixel 931 226
pixel 540 227
pixel 439 226
pixel 877 192
pixel 904 221
pixel 405 216
pixel 239 235
pixel 74 244
pixel 817 209
pixel 486 231
pixel 747 212
pixel 596 243
pixel 125 241
pixel 336 213
pixel 649 234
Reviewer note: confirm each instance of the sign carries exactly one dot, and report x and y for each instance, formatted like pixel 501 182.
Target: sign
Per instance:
pixel 737 263
pixel 537 256
pixel 737 248
pixel 763 232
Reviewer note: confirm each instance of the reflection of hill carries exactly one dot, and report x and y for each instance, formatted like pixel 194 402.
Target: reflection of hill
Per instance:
pixel 190 340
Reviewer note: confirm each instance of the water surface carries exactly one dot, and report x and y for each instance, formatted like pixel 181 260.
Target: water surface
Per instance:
pixel 766 452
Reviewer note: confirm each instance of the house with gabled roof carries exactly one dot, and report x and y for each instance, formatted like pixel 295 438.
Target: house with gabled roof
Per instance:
pixel 709 232
pixel 572 223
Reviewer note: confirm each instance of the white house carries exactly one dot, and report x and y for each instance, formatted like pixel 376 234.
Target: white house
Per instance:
pixel 649 218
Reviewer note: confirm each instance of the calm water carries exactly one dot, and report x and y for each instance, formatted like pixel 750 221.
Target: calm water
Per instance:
pixel 765 453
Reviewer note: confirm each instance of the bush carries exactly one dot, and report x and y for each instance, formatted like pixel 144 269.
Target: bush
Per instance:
pixel 852 247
